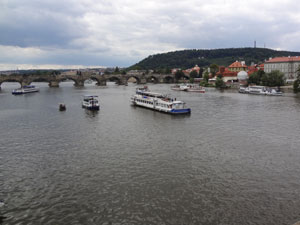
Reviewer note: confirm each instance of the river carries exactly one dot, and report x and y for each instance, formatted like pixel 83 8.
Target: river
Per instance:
pixel 234 160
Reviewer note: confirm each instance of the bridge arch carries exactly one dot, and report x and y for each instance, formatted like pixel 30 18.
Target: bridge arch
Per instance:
pixel 152 79
pixel 38 79
pixel 130 77
pixel 69 78
pixel 10 80
pixel 115 79
pixel 94 78
pixel 169 79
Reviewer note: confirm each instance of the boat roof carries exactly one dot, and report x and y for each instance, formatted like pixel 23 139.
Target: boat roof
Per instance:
pixel 173 102
pixel 90 97
pixel 176 102
pixel 256 86
pixel 153 93
pixel 149 93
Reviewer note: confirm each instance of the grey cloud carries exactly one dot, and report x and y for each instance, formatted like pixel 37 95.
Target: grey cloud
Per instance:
pixel 125 31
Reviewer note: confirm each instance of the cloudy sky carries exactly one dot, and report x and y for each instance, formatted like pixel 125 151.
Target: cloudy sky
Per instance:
pixel 81 33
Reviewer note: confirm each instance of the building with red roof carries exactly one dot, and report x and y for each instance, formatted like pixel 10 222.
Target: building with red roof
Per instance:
pixel 230 73
pixel 188 71
pixel 287 65
pixel 237 66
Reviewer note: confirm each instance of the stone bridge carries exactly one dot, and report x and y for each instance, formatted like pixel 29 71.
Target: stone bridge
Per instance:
pixel 80 77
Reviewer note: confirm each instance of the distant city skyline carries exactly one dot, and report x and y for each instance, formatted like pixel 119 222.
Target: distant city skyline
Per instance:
pixel 52 34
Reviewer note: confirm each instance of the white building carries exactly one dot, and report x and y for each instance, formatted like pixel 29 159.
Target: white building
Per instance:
pixel 287 65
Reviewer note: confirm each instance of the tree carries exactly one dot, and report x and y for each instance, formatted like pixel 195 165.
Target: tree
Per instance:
pixel 272 79
pixel 106 72
pixel 179 74
pixel 256 77
pixel 168 71
pixel 206 76
pixel 117 70
pixel 214 68
pixel 161 71
pixel 296 84
pixel 220 83
pixel 205 57
pixel 193 74
pixel 201 72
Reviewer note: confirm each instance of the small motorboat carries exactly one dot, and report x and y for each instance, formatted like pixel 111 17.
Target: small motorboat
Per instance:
pixel 273 92
pixel 91 102
pixel 62 107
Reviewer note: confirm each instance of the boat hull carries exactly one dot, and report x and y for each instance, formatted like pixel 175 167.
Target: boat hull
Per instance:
pixel 23 92
pixel 171 112
pixel 180 111
pixel 274 94
pixel 195 90
pixel 95 108
pixel 188 88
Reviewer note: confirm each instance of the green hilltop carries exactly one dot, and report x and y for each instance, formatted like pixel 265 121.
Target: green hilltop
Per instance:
pixel 223 57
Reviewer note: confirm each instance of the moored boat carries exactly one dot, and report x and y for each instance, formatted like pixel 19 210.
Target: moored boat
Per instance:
pixel 188 88
pixel 159 102
pixel 176 87
pixel 273 92
pixel 25 90
pixel 91 102
pixel 244 90
pixel 260 90
pixel 195 88
pixel 257 90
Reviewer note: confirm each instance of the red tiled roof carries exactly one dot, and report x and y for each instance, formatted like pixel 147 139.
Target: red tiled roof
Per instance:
pixel 237 65
pixel 284 59
pixel 227 73
pixel 252 68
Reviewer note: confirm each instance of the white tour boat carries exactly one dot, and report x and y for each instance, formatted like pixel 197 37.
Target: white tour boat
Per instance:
pixel 244 90
pixel 91 102
pixel 257 90
pixel 156 101
pixel 25 90
pixel 260 90
pixel 188 88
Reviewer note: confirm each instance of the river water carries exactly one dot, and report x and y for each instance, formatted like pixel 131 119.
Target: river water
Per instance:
pixel 234 160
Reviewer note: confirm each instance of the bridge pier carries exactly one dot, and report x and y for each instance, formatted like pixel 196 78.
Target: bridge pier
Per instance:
pixel 161 80
pixel 53 83
pixel 123 81
pixel 143 80
pixel 79 83
pixel 101 83
pixel 24 83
